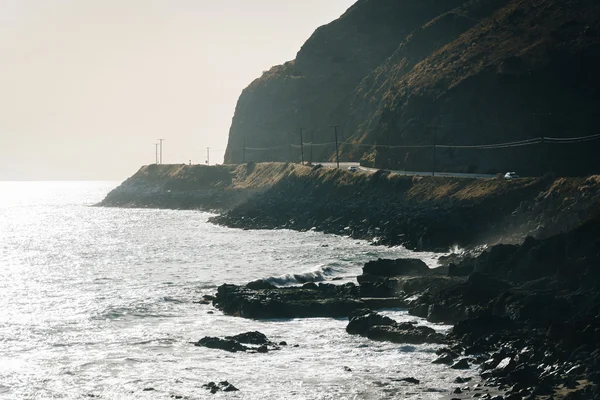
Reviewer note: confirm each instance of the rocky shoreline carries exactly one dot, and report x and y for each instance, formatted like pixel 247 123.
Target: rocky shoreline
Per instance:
pixel 526 316
pixel 525 310
pixel 420 213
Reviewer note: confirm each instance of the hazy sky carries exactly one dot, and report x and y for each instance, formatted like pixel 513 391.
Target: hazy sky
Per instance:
pixel 87 86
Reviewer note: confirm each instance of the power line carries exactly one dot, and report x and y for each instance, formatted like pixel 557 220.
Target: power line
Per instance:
pixel 519 143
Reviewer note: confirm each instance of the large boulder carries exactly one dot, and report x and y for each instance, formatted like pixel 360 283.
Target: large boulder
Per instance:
pixel 379 327
pixel 399 267
pixel 229 345
pixel 324 300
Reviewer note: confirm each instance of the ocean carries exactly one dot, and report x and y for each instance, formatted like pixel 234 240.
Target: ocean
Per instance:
pixel 103 303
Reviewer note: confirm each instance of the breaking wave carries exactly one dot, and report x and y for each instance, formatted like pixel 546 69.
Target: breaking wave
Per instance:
pixel 319 275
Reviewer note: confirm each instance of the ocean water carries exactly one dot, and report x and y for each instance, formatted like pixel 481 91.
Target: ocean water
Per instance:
pixel 102 303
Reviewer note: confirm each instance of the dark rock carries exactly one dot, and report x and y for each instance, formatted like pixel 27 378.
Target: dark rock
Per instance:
pixel 462 380
pixel 506 366
pixel 361 324
pixel 378 327
pixel 461 364
pixel 411 380
pixel 405 333
pixel 222 386
pixel 262 349
pixel 284 343
pixel 310 285
pixel 260 284
pixel 444 359
pixel 230 388
pixel 250 338
pixel 399 267
pixel 289 302
pixel 221 344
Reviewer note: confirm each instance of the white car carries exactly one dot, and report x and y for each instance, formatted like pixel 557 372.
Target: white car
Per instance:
pixel 511 175
pixel 353 168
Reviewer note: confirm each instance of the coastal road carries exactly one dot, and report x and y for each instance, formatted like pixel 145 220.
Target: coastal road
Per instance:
pixel 345 165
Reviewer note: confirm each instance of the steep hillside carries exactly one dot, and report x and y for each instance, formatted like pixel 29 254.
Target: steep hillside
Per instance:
pixel 315 90
pixel 476 72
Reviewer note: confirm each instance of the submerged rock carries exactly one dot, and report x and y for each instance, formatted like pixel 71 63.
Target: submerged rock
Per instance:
pixel 223 386
pixel 237 343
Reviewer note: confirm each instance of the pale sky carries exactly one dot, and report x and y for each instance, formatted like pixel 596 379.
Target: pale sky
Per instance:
pixel 88 86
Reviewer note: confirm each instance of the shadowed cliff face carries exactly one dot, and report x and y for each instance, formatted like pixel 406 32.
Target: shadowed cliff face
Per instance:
pixel 315 91
pixel 450 72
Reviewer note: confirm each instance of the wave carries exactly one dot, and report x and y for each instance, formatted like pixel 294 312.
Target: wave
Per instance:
pixel 319 275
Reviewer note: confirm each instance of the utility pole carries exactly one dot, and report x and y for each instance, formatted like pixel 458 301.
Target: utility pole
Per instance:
pixel 312 143
pixel 156 151
pixel 161 142
pixel 208 156
pixel 301 146
pixel 244 151
pixel 434 148
pixel 337 150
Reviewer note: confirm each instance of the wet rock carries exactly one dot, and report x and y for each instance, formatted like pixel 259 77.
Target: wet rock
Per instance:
pixel 222 344
pixel 462 380
pixel 411 380
pixel 262 349
pixel 444 359
pixel 461 364
pixel 251 338
pixel 260 284
pixel 505 366
pixel 222 386
pixel 360 324
pixel 378 327
pixel 237 343
pixel 289 302
pixel 399 267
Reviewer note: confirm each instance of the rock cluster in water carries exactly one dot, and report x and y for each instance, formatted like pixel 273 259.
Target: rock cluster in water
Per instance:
pixel 258 342
pixel 526 316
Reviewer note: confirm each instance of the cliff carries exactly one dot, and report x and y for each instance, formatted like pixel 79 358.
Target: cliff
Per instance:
pixel 458 73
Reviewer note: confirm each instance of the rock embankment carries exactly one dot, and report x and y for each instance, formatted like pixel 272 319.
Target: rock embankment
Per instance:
pixel 425 213
pixel 527 315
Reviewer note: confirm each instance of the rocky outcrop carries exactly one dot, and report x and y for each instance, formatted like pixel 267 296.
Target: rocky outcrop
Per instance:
pixel 378 327
pixel 223 386
pixel 255 342
pixel 527 315
pixel 451 72
pixel 308 301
